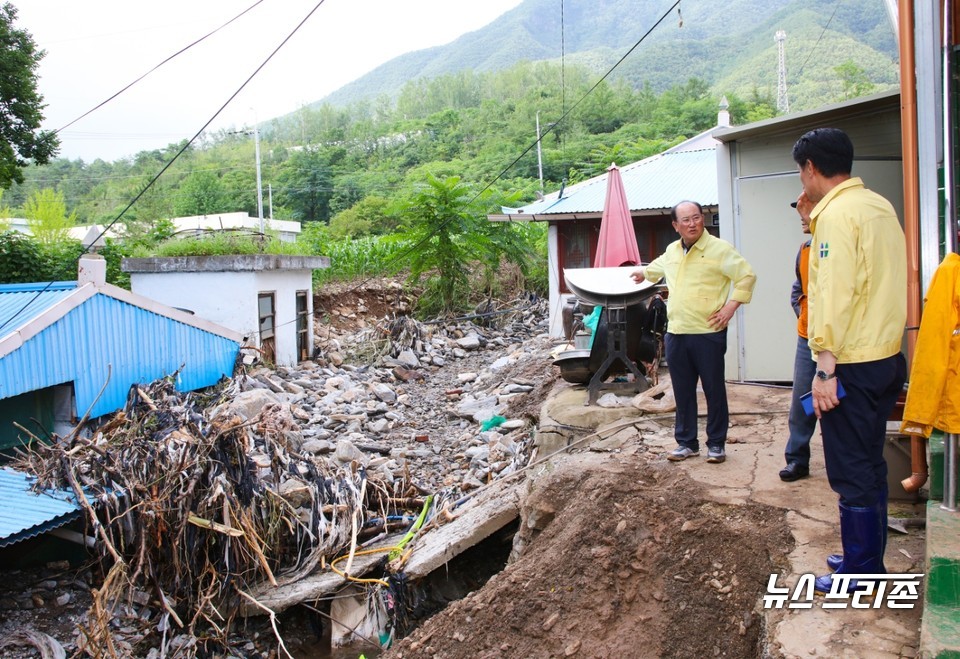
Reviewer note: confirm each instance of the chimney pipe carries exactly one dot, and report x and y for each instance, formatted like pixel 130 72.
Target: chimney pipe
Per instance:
pixel 92 270
pixel 723 116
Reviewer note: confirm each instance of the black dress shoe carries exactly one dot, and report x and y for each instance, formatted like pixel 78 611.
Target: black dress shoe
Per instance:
pixel 794 471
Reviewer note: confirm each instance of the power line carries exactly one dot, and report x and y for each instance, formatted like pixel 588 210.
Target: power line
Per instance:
pixel 210 120
pixel 822 32
pixel 179 52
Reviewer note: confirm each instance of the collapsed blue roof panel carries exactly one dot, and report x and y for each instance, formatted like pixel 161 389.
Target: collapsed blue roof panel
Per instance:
pixel 26 514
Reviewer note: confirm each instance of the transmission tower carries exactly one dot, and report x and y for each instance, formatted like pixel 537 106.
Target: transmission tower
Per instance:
pixel 783 104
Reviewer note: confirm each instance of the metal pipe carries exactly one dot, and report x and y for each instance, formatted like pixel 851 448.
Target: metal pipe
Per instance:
pixel 918 464
pixel 929 59
pixel 73 536
pixel 256 142
pixel 539 155
pixel 911 175
pixel 950 442
pixel 892 14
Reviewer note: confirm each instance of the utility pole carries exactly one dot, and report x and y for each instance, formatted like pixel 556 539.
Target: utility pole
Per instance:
pixel 783 104
pixel 256 142
pixel 539 155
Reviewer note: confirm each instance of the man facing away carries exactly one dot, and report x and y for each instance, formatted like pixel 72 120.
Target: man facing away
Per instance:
pixel 799 423
pixel 707 280
pixel 857 314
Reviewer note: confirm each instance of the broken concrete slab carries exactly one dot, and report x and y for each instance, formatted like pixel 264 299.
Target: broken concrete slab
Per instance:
pixel 484 513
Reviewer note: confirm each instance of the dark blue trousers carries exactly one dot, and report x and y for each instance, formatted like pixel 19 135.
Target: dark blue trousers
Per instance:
pixel 692 358
pixel 855 431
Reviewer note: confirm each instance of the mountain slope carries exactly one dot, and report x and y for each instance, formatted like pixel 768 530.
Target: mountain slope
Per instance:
pixel 730 45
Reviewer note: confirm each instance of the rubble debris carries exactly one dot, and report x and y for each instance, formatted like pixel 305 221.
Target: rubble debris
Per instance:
pixel 200 500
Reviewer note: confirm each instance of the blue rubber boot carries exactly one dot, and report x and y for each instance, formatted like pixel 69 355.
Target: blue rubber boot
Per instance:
pixel 835 560
pixel 863 543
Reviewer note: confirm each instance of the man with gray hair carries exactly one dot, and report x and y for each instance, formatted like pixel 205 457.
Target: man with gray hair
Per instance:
pixel 707 280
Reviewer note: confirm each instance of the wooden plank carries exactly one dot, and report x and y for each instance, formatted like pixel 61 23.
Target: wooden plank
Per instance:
pixel 316 584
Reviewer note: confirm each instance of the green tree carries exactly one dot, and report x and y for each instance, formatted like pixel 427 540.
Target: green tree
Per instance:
pixel 200 194
pixel 306 186
pixel 5 215
pixel 21 141
pixel 21 260
pixel 46 214
pixel 368 216
pixel 854 80
pixel 447 225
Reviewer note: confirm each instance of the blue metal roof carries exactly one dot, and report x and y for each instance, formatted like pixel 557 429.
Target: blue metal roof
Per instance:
pixel 101 338
pixel 21 303
pixel 655 183
pixel 105 343
pixel 26 514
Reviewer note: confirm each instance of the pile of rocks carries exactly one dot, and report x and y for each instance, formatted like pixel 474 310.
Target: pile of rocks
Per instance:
pixel 440 404
pixel 446 407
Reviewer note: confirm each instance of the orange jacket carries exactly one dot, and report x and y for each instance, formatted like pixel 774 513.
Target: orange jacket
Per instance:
pixel 933 397
pixel 798 294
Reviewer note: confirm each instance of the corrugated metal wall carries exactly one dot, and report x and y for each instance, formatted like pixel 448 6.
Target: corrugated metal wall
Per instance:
pixel 106 335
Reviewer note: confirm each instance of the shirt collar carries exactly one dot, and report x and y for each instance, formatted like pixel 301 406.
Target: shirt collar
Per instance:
pixel 701 243
pixel 852 182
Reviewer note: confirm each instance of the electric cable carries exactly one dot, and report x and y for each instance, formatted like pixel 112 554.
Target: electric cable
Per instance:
pixel 27 304
pixel 209 121
pixel 822 32
pixel 171 57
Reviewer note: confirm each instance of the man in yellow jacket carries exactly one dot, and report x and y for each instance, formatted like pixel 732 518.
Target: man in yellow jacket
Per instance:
pixel 857 312
pixel 708 280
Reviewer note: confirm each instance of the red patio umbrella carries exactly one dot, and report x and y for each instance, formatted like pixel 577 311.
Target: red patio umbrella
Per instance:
pixel 617 245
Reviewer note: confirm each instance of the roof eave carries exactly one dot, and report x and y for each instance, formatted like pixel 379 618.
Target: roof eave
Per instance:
pixel 789 123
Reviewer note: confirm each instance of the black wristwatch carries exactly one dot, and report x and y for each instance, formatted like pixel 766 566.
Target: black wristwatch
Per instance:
pixel 823 375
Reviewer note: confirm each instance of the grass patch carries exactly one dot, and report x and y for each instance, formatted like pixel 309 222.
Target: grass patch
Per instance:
pixel 221 243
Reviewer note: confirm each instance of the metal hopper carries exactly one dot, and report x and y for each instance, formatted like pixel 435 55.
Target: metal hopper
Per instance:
pixel 626 335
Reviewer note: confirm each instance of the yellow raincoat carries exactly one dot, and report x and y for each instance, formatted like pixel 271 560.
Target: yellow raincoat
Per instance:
pixel 933 397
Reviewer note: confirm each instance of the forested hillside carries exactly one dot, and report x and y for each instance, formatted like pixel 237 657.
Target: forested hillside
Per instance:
pixel 322 162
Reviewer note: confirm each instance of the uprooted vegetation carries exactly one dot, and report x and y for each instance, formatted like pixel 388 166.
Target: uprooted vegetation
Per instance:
pixel 199 505
pixel 193 510
pixel 200 512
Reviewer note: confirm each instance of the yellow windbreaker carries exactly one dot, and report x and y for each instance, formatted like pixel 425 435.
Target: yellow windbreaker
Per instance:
pixel 858 275
pixel 700 282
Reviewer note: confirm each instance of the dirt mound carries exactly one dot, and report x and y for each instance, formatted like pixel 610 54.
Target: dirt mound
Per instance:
pixel 618 556
pixel 347 307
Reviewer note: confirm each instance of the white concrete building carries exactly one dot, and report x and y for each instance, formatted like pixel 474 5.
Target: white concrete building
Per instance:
pixel 267 298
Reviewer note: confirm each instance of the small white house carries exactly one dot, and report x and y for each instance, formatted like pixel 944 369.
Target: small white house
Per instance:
pixel 757 181
pixel 95 234
pixel 652 185
pixel 267 298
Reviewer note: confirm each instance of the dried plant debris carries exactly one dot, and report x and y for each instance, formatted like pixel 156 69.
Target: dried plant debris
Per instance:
pixel 206 504
pixel 192 512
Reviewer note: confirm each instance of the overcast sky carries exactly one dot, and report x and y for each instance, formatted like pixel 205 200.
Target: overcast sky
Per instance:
pixel 96 47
